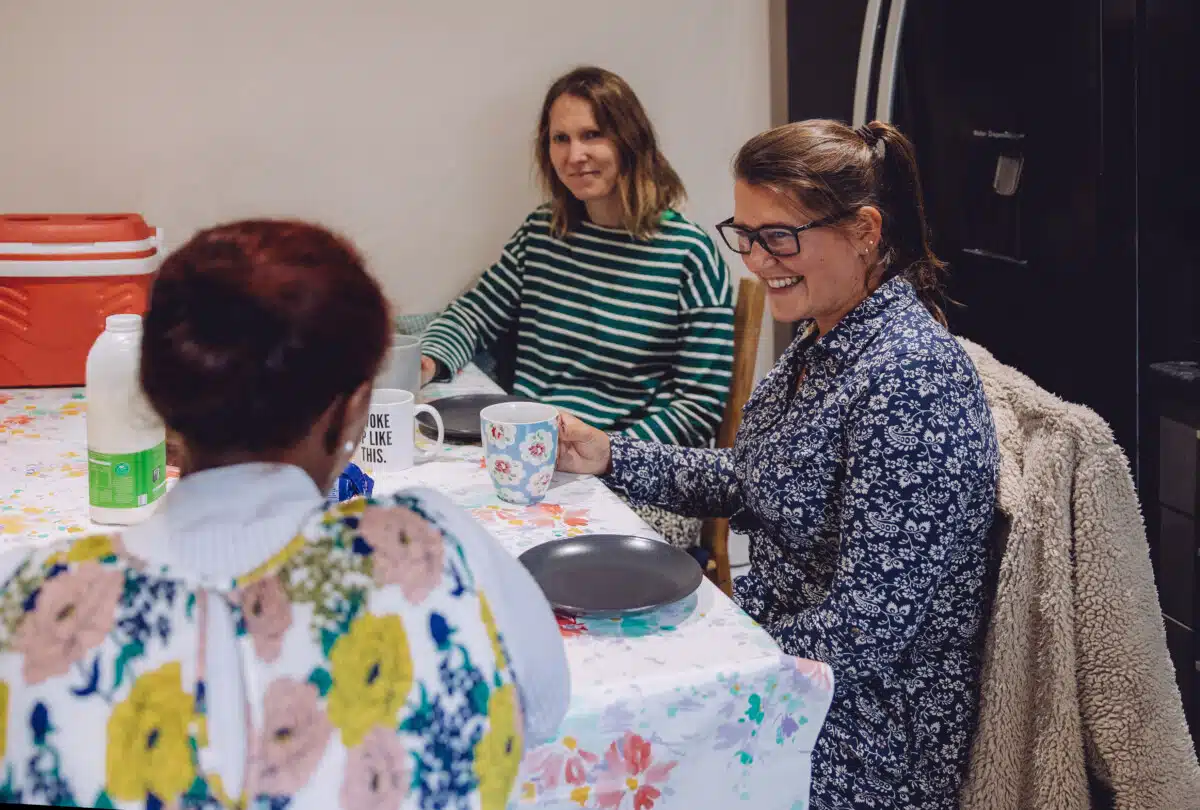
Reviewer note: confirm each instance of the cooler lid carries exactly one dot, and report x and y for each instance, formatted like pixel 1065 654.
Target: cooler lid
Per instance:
pixel 73 228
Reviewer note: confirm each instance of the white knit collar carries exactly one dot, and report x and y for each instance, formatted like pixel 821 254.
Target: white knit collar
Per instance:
pixel 219 524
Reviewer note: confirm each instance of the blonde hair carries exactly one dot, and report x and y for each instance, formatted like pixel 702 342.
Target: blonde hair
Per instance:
pixel 647 185
pixel 828 167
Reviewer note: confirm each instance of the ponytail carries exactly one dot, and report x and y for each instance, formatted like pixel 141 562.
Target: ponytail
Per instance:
pixel 904 244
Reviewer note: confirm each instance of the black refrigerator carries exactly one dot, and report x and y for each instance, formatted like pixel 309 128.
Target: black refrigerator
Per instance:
pixel 1022 114
pixel 1060 168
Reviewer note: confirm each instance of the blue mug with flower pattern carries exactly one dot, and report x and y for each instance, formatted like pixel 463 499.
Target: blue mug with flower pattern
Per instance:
pixel 520 448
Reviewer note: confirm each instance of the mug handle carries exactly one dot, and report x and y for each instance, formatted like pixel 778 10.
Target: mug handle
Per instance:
pixel 425 455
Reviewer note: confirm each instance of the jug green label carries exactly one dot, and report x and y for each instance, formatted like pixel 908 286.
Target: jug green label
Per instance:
pixel 127 480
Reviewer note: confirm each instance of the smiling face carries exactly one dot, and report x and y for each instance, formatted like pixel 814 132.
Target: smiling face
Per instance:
pixel 828 277
pixel 584 158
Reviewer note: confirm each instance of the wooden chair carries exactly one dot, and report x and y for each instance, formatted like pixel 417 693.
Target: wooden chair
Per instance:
pixel 747 325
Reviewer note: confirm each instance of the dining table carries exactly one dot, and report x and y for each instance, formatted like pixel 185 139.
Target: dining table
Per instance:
pixel 690 706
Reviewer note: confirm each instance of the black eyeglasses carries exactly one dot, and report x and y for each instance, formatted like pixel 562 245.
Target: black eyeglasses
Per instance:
pixel 778 240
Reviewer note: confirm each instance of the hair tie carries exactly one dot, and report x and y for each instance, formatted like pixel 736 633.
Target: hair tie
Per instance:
pixel 872 139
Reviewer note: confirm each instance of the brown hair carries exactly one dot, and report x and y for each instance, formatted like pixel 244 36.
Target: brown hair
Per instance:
pixel 254 329
pixel 647 184
pixel 828 167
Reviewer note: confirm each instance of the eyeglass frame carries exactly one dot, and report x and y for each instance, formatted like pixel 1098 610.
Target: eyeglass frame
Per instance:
pixel 755 236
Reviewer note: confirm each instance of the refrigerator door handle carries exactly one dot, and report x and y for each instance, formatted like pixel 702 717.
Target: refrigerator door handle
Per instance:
pixel 866 55
pixel 1000 257
pixel 889 61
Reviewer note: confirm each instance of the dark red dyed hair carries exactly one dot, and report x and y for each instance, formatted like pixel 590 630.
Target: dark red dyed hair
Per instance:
pixel 254 329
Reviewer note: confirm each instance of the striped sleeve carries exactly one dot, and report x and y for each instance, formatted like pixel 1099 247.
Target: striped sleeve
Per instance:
pixel 690 408
pixel 483 313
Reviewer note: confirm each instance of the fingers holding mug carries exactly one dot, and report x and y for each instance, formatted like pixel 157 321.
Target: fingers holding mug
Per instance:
pixel 582 448
pixel 428 369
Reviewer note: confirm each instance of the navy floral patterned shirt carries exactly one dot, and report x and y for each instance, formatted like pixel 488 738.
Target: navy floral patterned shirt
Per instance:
pixel 864 474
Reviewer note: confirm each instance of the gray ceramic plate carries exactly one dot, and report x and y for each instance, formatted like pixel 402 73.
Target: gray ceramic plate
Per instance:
pixel 610 574
pixel 460 415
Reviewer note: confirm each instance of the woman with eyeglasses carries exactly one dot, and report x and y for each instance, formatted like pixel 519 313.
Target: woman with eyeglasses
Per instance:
pixel 865 468
pixel 606 302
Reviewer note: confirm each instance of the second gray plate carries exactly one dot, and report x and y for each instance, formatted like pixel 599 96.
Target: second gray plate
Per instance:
pixel 609 574
pixel 460 415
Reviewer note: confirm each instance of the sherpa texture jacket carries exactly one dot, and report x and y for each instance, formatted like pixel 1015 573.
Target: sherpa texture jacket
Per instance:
pixel 1076 674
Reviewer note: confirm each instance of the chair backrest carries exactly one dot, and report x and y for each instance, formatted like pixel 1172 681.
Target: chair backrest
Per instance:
pixel 747 326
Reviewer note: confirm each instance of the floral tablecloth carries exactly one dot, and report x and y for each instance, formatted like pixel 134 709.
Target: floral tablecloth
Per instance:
pixel 690 707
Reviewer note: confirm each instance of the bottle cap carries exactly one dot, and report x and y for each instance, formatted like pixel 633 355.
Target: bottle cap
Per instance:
pixel 123 323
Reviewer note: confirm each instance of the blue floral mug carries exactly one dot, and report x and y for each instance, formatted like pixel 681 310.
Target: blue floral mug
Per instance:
pixel 520 448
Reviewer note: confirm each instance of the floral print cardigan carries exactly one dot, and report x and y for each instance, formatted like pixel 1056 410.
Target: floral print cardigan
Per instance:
pixel 864 474
pixel 375 675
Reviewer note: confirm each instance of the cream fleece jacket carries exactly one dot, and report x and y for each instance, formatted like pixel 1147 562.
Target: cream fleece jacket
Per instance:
pixel 1076 671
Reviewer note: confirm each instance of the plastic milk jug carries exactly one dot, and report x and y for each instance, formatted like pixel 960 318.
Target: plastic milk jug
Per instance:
pixel 126 440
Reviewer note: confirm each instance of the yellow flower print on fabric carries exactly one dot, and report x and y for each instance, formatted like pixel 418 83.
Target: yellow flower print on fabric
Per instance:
pixel 3 718
pixel 216 789
pixel 148 739
pixel 93 547
pixel 489 621
pixel 498 754
pixel 351 508
pixel 294 547
pixel 372 675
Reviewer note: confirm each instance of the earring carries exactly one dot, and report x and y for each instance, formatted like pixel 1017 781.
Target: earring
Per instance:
pixel 348 447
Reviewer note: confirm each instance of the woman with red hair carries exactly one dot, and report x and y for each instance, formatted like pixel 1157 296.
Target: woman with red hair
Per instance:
pixel 246 645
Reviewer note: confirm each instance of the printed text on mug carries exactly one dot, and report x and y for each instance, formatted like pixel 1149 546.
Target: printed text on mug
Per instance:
pixel 377 436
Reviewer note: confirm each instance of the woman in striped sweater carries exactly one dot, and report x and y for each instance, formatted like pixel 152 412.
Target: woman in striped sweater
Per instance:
pixel 606 302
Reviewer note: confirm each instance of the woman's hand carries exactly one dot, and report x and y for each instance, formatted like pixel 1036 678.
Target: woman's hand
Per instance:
pixel 428 369
pixel 582 448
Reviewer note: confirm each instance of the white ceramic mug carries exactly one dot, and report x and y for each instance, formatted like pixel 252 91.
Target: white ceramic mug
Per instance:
pixel 389 439
pixel 402 367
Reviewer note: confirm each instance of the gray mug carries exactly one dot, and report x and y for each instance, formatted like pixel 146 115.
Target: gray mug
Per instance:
pixel 402 366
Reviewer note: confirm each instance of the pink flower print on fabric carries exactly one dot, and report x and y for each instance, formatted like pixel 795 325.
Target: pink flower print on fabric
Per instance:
pixel 565 762
pixel 73 614
pixel 294 737
pixel 376 776
pixel 630 770
pixel 409 551
pixel 267 612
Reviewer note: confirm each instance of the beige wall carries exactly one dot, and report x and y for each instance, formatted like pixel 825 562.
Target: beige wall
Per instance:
pixel 406 123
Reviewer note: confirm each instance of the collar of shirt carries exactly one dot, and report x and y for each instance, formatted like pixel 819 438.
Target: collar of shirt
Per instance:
pixel 842 345
pixel 218 524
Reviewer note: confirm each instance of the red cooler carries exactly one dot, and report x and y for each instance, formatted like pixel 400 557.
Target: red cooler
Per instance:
pixel 61 275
